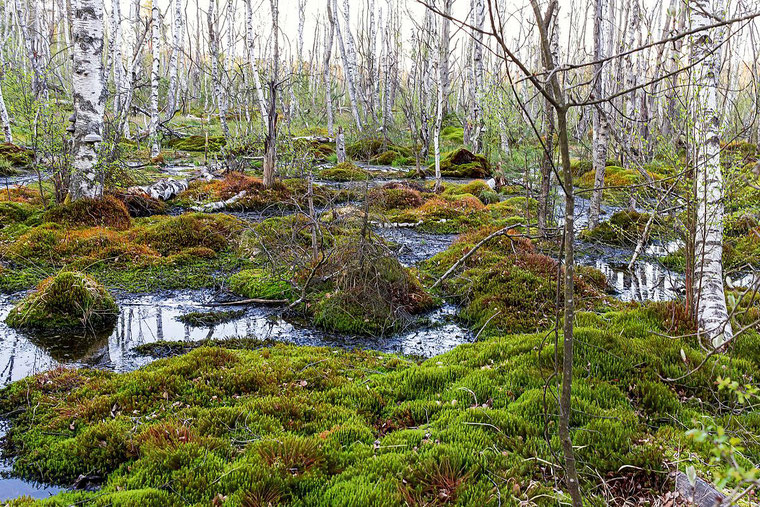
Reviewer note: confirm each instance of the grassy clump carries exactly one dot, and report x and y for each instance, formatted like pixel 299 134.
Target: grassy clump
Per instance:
pixel 67 300
pixel 445 214
pixel 370 291
pixel 506 286
pixel 198 143
pixel 345 171
pixel 155 252
pixel 258 284
pixel 375 148
pixel 624 228
pixel 208 319
pixel 290 425
pixel 141 204
pixel 453 134
pixel 462 163
pixel 104 212
pixel 16 156
pixel 397 196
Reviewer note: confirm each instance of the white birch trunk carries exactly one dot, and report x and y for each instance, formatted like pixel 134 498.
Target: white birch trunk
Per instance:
pixel 712 313
pixel 155 148
pixel 38 82
pixel 171 99
pixel 340 146
pixel 89 98
pixel 215 78
pixel 329 36
pixel 254 68
pixel 347 66
pixel 601 133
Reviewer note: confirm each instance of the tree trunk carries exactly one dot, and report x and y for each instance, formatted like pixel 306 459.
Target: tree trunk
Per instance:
pixel 171 98
pixel 254 68
pixel 712 313
pixel 155 148
pixel 215 78
pixel 340 146
pixel 329 36
pixel 89 98
pixel 601 134
pixel 270 141
pixel 347 66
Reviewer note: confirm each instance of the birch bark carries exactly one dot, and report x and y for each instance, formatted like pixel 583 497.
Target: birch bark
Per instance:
pixel 155 148
pixel 171 99
pixel 601 131
pixel 89 98
pixel 712 313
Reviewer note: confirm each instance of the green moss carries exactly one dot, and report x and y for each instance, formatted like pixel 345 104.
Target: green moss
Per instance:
pixel 369 148
pixel 257 284
pixel 209 319
pixel 15 212
pixel 623 228
pixel 345 171
pixel 170 235
pixel 453 134
pixel 16 155
pixel 462 163
pixel 285 425
pixel 198 143
pixel 67 300
pixel 506 285
pixel 104 212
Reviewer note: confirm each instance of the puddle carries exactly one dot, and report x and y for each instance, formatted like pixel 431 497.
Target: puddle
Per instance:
pixel 151 318
pixel 12 487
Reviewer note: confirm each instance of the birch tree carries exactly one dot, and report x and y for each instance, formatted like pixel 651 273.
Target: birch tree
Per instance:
pixel 350 78
pixel 154 78
pixel 171 96
pixel 270 141
pixel 89 98
pixel 601 132
pixel 712 313
pixel 329 36
pixel 216 82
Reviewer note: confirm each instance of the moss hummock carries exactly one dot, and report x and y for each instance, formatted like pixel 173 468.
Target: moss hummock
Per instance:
pixel 68 300
pixel 107 211
pixel 345 171
pixel 624 228
pixel 462 163
pixel 288 425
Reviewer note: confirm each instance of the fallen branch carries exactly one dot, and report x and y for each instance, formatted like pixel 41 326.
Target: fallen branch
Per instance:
pixel 257 301
pixel 474 249
pixel 219 205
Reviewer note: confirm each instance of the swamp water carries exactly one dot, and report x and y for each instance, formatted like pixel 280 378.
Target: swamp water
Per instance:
pixel 148 318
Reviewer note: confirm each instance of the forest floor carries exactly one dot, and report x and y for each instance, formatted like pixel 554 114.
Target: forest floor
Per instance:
pixel 265 354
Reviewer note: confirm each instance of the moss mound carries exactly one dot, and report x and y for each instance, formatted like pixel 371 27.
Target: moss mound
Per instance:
pixel 198 143
pixel 624 228
pixel 107 211
pixel 506 286
pixel 395 197
pixel 462 163
pixel 345 171
pixel 445 215
pixel 15 212
pixel 171 235
pixel 370 291
pixel 17 156
pixel 288 425
pixel 372 148
pixel 67 300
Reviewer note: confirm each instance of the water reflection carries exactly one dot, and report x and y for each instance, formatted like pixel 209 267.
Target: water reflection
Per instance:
pixel 151 318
